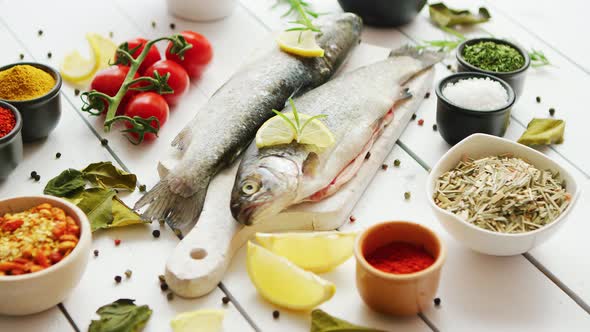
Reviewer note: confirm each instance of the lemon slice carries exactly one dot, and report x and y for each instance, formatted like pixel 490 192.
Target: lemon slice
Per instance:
pixel 313 251
pixel 78 69
pixel 300 43
pixel 198 321
pixel 277 131
pixel 283 283
pixel 75 68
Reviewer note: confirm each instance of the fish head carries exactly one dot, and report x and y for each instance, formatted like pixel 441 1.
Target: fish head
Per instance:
pixel 264 187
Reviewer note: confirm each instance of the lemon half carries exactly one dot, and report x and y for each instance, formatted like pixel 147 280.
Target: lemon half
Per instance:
pixel 302 43
pixel 312 251
pixel 284 283
pixel 276 131
pixel 77 69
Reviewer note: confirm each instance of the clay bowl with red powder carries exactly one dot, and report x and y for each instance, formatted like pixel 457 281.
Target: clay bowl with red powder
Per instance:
pixel 398 267
pixel 11 143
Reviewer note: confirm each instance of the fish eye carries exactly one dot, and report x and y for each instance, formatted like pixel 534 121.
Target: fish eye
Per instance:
pixel 250 187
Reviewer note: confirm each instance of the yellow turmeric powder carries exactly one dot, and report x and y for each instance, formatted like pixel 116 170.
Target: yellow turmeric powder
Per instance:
pixel 24 82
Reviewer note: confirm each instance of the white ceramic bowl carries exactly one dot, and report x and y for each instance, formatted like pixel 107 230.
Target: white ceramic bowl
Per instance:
pixel 201 10
pixel 479 239
pixel 34 292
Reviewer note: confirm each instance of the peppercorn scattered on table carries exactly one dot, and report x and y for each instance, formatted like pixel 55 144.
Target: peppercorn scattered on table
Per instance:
pixel 543 290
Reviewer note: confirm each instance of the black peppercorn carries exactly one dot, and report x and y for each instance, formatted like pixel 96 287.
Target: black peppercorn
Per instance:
pixel 21 56
pixel 276 314
pixel 170 296
pixel 414 116
pixel 95 252
pixel 552 111
pixel 427 95
pixel 153 24
pixel 437 301
pixel 104 142
pixel 384 167
pixel 538 99
pixel 156 233
pixel 164 286
pixel 76 92
pixel 225 300
pixel 142 188
pixel 449 67
pixel 40 32
pixel 37 178
pixel 118 279
pixel 33 174
pixel 434 127
pixel 49 55
pixel 172 26
pixel 58 155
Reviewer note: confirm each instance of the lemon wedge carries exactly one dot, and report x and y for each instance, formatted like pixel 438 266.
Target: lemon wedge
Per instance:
pixel 77 69
pixel 276 131
pixel 300 43
pixel 312 251
pixel 285 284
pixel 198 321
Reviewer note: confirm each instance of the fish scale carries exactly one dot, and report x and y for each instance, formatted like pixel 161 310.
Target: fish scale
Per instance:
pixel 225 126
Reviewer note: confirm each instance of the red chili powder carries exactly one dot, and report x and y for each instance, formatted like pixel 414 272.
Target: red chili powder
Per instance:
pixel 400 258
pixel 7 121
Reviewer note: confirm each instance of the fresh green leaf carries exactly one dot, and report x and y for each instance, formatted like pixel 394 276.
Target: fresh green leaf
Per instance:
pixel 106 175
pixel 121 316
pixel 303 10
pixel 123 215
pixel 67 183
pixel 447 17
pixel 323 322
pixel 538 58
pixel 543 132
pixel 97 204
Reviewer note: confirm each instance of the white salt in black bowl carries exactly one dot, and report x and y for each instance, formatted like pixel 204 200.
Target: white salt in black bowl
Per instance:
pixel 455 122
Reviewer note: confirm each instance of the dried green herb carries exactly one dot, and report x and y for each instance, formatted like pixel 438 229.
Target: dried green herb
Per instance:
pixel 121 316
pixel 66 183
pixel 538 58
pixel 321 321
pixel 492 56
pixel 106 175
pixel 502 194
pixel 444 16
pixel 543 132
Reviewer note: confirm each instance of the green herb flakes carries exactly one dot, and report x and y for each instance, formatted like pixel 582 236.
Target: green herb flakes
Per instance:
pixel 543 132
pixel 492 56
pixel 121 316
pixel 323 322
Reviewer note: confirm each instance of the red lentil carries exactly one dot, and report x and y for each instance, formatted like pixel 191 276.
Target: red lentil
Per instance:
pixel 7 121
pixel 35 239
pixel 400 258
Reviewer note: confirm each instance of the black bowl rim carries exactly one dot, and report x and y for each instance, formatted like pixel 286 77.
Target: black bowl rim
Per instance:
pixel 17 127
pixel 50 94
pixel 522 51
pixel 470 74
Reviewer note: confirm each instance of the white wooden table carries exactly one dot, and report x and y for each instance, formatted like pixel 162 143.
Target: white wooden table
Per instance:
pixel 547 289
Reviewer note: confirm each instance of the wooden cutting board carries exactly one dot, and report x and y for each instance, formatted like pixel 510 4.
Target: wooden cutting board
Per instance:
pixel 200 260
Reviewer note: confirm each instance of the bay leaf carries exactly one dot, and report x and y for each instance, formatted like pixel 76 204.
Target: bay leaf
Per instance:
pixel 543 132
pixel 321 321
pixel 121 316
pixel 106 175
pixel 123 215
pixel 448 17
pixel 67 183
pixel 97 203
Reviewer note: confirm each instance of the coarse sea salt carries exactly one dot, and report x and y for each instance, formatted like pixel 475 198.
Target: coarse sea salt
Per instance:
pixel 478 94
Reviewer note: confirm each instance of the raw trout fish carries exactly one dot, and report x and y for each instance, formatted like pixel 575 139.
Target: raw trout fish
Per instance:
pixel 358 105
pixel 225 126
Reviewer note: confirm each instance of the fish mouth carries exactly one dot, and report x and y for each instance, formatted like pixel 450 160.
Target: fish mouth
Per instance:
pixel 245 215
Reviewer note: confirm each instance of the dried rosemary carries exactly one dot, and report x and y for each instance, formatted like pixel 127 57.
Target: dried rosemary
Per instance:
pixel 502 194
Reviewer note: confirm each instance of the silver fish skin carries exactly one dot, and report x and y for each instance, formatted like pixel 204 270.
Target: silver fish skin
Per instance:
pixel 357 105
pixel 225 126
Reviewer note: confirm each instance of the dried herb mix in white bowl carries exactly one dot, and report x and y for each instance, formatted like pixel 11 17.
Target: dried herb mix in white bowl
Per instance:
pixel 502 194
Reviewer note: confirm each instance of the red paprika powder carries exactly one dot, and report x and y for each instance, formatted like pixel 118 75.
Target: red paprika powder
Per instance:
pixel 7 121
pixel 400 258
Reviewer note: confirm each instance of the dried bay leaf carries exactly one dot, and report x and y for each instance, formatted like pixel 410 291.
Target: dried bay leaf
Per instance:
pixel 97 204
pixel 121 316
pixel 448 17
pixel 321 321
pixel 106 175
pixel 543 132
pixel 66 183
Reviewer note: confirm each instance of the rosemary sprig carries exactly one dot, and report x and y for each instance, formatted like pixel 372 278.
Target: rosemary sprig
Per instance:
pixel 296 125
pixel 302 9
pixel 538 58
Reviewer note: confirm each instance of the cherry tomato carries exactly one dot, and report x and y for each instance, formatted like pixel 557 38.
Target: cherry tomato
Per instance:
pixel 196 58
pixel 145 105
pixel 109 80
pixel 152 56
pixel 178 79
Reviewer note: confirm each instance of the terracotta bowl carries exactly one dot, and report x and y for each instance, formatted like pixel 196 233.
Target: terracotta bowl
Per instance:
pixel 398 294
pixel 38 291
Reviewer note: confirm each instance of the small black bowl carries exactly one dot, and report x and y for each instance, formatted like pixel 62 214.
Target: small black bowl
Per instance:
pixel 11 145
pixel 40 115
pixel 514 78
pixel 455 122
pixel 390 13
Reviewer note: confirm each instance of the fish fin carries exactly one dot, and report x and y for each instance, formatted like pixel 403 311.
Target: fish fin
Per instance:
pixel 426 57
pixel 183 139
pixel 178 211
pixel 405 94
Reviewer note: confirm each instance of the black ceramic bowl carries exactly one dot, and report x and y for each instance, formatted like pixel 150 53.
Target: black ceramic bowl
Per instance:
pixel 11 145
pixel 514 78
pixel 455 122
pixel 40 115
pixel 384 12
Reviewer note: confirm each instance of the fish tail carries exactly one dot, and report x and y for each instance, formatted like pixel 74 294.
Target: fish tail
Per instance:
pixel 179 212
pixel 426 57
